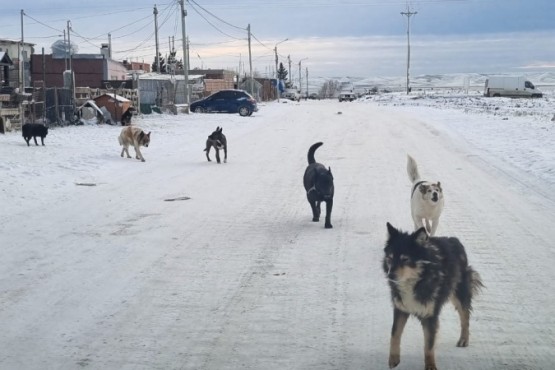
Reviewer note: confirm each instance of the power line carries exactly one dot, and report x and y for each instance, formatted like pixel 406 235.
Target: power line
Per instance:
pixel 214 26
pixel 215 16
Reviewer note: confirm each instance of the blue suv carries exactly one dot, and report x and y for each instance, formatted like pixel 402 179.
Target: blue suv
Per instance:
pixel 226 101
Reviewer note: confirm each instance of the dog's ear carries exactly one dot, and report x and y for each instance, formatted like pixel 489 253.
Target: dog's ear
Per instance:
pixel 421 236
pixel 329 171
pixel 423 188
pixel 391 230
pixel 221 129
pixel 439 186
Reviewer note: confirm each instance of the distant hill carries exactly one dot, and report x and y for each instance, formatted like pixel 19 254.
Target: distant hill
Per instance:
pixel 473 80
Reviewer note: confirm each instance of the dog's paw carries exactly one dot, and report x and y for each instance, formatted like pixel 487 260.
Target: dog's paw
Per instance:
pixel 315 219
pixel 394 360
pixel 463 342
pixel 329 226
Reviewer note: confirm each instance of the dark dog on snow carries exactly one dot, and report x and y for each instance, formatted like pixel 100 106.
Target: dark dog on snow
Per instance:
pixel 126 116
pixel 32 130
pixel 318 183
pixel 216 140
pixel 423 273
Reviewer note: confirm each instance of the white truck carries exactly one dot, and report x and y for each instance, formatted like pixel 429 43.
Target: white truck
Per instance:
pixel 513 86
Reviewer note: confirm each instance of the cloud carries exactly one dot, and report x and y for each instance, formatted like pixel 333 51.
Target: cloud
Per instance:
pixel 386 55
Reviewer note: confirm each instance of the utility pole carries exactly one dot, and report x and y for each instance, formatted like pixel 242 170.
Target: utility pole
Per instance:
pixel 306 97
pixel 290 78
pixel 277 74
pixel 250 62
pixel 155 12
pixel 300 86
pixel 188 53
pixel 22 57
pixel 71 81
pixel 185 54
pixel 65 51
pixel 300 80
pixel 408 14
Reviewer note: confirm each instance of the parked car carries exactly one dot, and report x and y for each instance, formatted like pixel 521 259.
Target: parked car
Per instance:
pixel 347 96
pixel 226 101
pixel 314 96
pixel 292 95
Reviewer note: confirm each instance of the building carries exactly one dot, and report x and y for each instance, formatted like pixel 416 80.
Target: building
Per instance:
pixel 17 52
pixel 216 79
pixel 137 66
pixel 89 69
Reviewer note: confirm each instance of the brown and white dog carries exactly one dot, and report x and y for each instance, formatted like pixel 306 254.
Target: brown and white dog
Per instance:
pixel 132 135
pixel 426 200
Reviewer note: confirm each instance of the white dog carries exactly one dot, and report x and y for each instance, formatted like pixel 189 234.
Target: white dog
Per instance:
pixel 426 200
pixel 132 135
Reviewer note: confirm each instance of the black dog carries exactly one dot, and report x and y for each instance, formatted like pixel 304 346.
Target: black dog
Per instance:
pixel 424 273
pixel 32 130
pixel 217 140
pixel 126 117
pixel 318 183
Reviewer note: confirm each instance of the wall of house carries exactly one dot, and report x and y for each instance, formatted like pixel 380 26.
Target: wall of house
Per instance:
pixel 115 70
pixel 88 72
pixel 13 50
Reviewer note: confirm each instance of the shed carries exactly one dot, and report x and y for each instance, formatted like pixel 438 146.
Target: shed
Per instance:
pixel 115 104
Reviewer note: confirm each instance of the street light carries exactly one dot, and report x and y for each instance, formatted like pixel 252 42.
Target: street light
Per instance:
pixel 300 85
pixel 277 76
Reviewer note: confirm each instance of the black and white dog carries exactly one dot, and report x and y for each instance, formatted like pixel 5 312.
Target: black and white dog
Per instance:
pixel 423 274
pixel 426 200
pixel 32 130
pixel 218 141
pixel 318 183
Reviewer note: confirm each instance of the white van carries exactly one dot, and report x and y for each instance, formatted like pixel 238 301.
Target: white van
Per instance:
pixel 516 87
pixel 347 96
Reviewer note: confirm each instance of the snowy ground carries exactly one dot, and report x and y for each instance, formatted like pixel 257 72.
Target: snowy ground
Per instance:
pixel 112 276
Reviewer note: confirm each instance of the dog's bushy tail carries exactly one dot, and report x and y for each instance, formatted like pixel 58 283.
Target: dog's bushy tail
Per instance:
pixel 412 169
pixel 120 140
pixel 472 285
pixel 475 281
pixel 311 151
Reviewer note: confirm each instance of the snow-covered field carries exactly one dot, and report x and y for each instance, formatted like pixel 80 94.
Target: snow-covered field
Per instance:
pixel 99 271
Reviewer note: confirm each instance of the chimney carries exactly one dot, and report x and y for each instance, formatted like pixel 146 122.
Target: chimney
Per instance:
pixel 105 50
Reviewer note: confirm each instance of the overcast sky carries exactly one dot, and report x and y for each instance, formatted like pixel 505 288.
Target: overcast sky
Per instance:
pixel 358 38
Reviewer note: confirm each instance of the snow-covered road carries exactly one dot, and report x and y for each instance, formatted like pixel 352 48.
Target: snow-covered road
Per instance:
pixel 112 276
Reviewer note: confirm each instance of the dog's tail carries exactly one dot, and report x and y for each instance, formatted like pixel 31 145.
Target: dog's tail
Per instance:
pixel 120 140
pixel 471 287
pixel 475 281
pixel 412 169
pixel 311 151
